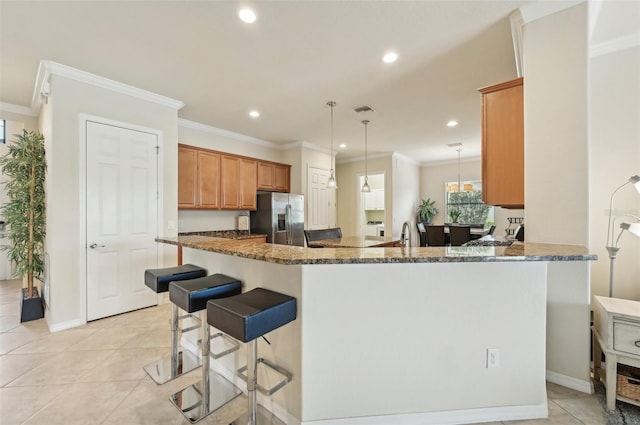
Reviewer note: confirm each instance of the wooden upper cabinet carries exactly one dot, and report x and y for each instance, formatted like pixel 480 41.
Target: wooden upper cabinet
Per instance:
pixel 273 176
pixel 239 182
pixel 216 180
pixel 198 178
pixel 187 177
pixel 503 144
pixel 209 179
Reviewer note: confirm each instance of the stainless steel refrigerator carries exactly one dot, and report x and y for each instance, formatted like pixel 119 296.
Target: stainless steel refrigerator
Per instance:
pixel 281 217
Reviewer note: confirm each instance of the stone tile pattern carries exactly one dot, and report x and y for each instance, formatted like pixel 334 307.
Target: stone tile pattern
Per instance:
pixel 93 374
pixel 227 234
pixel 284 254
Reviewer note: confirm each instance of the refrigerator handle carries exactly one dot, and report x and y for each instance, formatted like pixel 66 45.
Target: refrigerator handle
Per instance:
pixel 288 229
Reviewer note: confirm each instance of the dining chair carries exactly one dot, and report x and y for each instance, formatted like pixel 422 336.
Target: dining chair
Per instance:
pixel 491 229
pixel 316 235
pixel 459 235
pixel 422 234
pixel 435 235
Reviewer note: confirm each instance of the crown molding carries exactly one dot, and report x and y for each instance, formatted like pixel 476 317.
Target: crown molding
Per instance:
pixel 369 157
pixel 542 9
pixel 17 109
pixel 405 158
pixel 205 128
pixel 450 161
pixel 308 145
pixel 615 45
pixel 48 68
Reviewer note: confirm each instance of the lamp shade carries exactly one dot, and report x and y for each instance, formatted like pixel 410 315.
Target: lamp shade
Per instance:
pixel 631 227
pixel 635 180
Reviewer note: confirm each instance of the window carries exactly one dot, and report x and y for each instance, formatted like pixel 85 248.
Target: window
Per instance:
pixel 3 126
pixel 465 206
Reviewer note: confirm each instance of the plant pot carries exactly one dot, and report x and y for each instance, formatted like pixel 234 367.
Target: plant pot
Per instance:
pixel 31 308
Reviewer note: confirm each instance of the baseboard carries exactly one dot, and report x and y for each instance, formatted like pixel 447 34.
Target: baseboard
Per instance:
pixel 570 382
pixel 65 325
pixel 452 417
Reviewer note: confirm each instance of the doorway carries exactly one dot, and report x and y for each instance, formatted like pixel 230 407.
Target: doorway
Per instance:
pixel 321 202
pixel 371 211
pixel 121 196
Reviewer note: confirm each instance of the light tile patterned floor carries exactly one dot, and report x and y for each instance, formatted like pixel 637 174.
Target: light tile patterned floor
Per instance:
pixel 93 374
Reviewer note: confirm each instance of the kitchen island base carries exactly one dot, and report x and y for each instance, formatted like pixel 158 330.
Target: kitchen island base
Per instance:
pixel 401 343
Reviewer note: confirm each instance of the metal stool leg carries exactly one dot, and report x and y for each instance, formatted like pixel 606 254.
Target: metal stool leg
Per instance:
pixel 209 394
pixel 252 380
pixel 180 361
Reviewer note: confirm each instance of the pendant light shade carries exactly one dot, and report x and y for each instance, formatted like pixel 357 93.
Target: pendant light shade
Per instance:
pixel 331 183
pixel 365 186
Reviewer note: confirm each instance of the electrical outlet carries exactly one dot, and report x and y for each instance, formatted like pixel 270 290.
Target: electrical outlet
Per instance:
pixel 493 357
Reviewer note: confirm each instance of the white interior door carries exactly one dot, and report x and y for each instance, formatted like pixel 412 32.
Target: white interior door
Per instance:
pixel 321 201
pixel 122 216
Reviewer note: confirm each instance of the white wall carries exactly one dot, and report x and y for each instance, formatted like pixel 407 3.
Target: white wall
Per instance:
pixel 557 179
pixel 60 123
pixel 614 127
pixel 556 148
pixel 405 183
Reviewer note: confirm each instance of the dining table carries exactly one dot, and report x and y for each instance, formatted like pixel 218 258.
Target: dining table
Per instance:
pixel 356 242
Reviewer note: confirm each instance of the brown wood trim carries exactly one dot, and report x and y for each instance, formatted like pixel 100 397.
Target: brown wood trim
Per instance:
pixel 179 255
pixel 502 86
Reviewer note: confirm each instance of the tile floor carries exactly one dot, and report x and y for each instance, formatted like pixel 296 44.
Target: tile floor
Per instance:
pixel 93 374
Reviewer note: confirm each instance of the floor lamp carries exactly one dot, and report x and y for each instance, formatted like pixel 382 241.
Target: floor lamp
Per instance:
pixel 612 246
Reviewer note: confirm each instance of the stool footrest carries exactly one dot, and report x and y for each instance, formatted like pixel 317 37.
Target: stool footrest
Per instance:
pixel 190 401
pixel 190 328
pixel 234 346
pixel 283 376
pixel 162 370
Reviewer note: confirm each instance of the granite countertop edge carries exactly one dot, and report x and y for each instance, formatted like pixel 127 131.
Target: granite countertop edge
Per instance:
pixel 294 255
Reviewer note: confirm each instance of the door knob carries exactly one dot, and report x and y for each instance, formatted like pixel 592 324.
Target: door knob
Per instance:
pixel 95 245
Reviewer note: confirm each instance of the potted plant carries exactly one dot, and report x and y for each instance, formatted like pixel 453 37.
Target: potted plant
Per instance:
pixel 454 214
pixel 25 166
pixel 427 210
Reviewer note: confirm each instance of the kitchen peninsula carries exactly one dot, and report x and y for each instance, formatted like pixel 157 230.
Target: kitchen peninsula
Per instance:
pixel 400 335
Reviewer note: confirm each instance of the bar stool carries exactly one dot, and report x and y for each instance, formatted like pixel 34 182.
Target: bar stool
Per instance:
pixel 213 390
pixel 246 317
pixel 180 362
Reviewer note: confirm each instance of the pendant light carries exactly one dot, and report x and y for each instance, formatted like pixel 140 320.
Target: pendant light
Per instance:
pixel 365 186
pixel 331 183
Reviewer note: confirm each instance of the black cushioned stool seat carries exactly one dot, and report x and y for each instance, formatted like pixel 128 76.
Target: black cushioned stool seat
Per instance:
pixel 192 295
pixel 252 314
pixel 246 317
pixel 158 279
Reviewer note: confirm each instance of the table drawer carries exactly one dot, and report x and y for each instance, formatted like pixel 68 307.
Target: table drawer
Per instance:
pixel 626 337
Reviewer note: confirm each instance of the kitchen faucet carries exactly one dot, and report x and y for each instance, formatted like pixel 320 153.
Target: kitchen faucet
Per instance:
pixel 405 237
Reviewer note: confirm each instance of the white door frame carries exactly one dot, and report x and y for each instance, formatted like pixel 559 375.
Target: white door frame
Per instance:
pixel 82 185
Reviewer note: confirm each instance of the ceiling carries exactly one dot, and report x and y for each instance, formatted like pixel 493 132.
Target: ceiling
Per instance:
pixel 297 56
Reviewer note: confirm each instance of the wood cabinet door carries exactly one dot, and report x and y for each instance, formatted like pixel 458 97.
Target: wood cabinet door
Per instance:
pixel 248 184
pixel 209 180
pixel 187 177
pixel 266 175
pixel 503 144
pixel 281 178
pixel 230 182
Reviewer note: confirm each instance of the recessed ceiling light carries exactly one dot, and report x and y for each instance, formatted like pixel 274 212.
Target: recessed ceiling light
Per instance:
pixel 342 145
pixel 452 123
pixel 390 57
pixel 254 114
pixel 247 15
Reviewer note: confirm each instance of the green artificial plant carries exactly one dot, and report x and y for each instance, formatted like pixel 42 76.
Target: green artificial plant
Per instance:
pixel 25 166
pixel 427 210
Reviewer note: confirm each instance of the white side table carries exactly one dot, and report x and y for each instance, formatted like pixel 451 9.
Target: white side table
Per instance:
pixel 616 331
